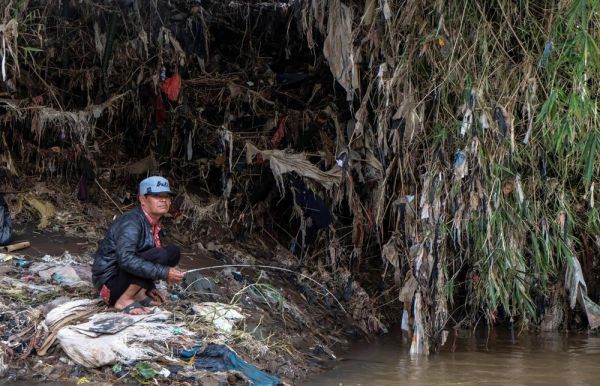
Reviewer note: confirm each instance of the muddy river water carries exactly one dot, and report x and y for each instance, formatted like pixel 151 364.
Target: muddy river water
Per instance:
pixel 497 358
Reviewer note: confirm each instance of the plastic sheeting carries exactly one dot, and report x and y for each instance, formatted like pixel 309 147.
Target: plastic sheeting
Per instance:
pixel 171 87
pixel 420 344
pixel 65 275
pixel 577 289
pixel 22 285
pixel 109 338
pixel 65 310
pixel 223 316
pixel 337 47
pixel 222 358
pixel 282 162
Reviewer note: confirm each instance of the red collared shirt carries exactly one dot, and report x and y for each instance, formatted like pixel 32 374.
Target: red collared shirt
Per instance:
pixel 155 228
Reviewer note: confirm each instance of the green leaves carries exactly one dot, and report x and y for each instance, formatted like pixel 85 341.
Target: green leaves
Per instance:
pixel 589 157
pixel 31 49
pixel 144 372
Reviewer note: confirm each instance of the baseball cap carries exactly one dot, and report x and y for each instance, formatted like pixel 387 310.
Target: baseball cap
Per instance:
pixel 154 185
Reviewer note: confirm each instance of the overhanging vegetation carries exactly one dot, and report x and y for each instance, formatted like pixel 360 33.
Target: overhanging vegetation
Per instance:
pixel 466 134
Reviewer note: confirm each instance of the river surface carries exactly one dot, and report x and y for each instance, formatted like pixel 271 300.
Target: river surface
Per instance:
pixel 500 357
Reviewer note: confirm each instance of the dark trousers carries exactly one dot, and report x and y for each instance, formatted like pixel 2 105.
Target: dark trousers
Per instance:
pixel 168 255
pixel 117 285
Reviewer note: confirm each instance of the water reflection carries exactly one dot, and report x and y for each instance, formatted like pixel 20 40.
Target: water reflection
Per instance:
pixel 494 358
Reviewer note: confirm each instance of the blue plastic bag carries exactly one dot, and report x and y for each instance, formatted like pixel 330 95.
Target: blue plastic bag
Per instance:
pixel 218 357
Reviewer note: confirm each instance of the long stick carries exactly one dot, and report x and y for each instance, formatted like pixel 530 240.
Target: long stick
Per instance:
pixel 275 268
pixel 109 197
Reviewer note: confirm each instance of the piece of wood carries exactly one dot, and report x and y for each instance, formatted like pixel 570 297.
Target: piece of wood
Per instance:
pixel 15 246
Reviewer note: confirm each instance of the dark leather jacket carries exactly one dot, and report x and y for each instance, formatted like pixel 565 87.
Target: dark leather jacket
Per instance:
pixel 128 235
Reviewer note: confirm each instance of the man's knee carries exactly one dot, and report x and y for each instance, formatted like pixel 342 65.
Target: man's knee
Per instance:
pixel 173 255
pixel 155 255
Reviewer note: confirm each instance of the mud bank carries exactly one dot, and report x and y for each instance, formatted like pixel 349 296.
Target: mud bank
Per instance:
pixel 247 297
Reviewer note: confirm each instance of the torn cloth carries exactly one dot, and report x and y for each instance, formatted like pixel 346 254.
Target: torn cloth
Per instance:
pixel 311 204
pixel 282 162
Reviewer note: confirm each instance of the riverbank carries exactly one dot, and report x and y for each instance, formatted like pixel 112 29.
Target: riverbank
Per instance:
pixel 254 303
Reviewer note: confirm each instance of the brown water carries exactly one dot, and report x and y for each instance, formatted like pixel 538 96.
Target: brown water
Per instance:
pixel 497 358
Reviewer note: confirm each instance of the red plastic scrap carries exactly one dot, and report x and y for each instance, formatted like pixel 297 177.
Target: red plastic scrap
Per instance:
pixel 279 133
pixel 171 87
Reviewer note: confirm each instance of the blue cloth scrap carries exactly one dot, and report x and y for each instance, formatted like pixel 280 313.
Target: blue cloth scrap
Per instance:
pixel 218 357
pixel 311 204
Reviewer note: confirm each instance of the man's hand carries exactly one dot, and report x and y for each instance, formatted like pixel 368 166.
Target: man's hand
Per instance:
pixel 175 276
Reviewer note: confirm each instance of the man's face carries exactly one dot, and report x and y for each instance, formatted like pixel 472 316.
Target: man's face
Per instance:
pixel 156 204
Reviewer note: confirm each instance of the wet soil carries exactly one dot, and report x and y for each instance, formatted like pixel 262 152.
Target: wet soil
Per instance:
pixel 56 243
pixel 50 242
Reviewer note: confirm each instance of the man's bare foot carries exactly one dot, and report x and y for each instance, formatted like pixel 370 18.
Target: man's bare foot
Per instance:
pixel 132 308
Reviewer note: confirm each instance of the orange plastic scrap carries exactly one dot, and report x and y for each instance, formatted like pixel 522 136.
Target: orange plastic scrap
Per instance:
pixel 171 87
